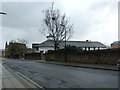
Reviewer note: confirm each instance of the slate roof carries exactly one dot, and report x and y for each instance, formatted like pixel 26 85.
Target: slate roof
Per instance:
pixel 47 43
pixel 85 44
pixel 50 43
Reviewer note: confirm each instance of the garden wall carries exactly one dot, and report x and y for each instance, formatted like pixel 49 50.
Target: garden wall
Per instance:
pixel 109 56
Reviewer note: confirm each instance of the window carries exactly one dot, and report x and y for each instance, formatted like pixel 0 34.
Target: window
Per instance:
pixel 37 48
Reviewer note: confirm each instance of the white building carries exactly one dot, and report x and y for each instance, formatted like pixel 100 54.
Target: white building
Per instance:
pixel 85 45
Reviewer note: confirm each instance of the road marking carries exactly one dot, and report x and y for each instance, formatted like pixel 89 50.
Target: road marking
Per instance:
pixel 43 88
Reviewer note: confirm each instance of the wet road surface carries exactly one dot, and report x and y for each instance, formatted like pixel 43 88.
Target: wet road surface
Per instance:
pixel 57 76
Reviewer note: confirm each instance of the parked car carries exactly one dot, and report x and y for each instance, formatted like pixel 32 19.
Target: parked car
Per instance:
pixel 118 64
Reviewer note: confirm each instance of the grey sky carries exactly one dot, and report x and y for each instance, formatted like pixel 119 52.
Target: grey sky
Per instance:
pixel 95 21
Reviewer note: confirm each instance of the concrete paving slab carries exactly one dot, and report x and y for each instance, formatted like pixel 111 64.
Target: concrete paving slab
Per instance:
pixel 9 80
pixel 7 83
pixel 16 83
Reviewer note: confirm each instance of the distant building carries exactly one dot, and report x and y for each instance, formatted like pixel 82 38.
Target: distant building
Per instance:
pixel 115 44
pixel 2 53
pixel 85 45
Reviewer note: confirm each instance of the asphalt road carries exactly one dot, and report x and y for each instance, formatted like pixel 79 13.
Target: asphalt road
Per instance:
pixel 57 76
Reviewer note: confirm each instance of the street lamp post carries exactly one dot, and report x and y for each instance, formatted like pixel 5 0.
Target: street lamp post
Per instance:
pixel 65 43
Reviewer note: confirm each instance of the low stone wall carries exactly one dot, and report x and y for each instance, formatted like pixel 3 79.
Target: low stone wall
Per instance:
pixel 109 56
pixel 33 56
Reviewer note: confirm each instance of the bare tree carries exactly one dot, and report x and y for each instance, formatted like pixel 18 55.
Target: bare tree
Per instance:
pixel 23 41
pixel 57 26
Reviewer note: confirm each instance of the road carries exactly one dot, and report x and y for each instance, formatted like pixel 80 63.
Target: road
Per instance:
pixel 57 76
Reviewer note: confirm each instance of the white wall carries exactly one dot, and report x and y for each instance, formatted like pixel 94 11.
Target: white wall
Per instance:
pixel 44 49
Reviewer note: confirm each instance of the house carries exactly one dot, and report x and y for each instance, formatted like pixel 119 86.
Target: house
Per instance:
pixel 44 46
pixel 115 44
pixel 29 50
pixel 85 45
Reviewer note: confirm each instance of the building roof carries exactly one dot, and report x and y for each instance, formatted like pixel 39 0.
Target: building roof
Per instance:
pixel 85 44
pixel 116 42
pixel 50 43
pixel 47 43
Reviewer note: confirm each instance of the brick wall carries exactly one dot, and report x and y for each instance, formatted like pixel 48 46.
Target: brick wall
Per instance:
pixel 115 46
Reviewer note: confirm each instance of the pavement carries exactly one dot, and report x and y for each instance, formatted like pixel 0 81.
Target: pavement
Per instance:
pixel 82 65
pixel 14 80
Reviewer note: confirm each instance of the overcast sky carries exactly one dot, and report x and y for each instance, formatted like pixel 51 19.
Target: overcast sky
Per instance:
pixel 94 20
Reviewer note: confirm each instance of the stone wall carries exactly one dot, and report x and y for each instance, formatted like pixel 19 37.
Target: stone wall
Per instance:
pixel 109 56
pixel 33 56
